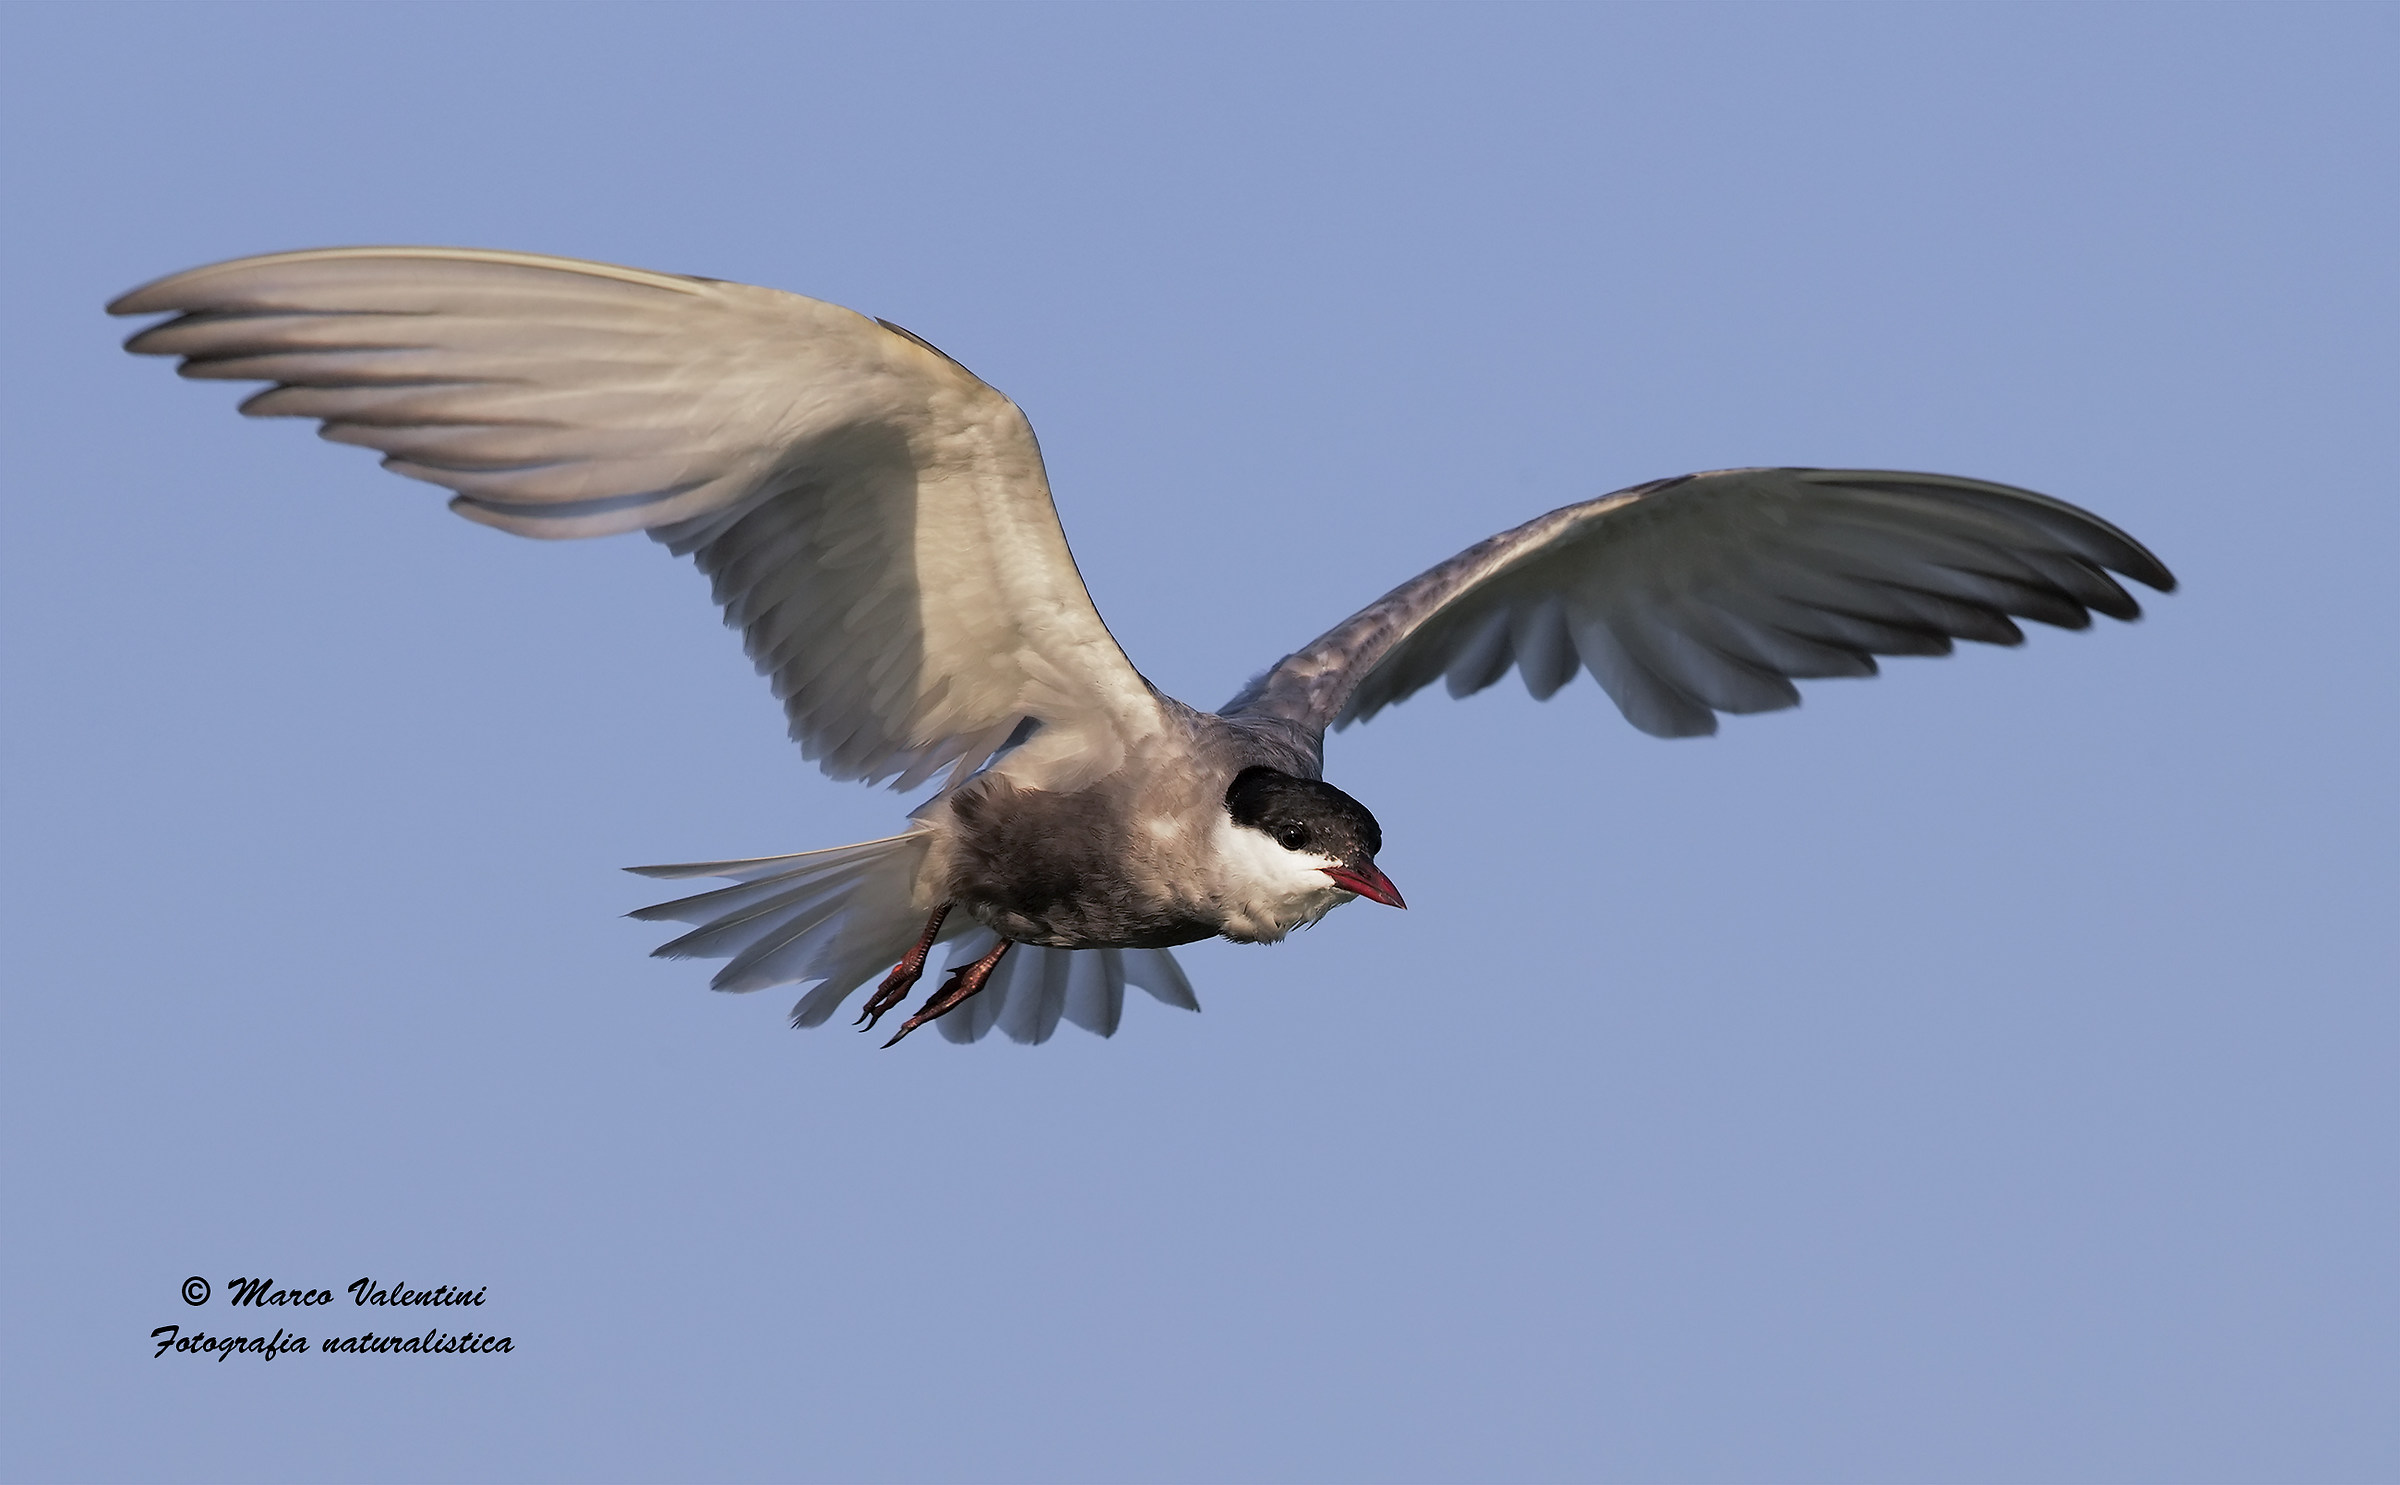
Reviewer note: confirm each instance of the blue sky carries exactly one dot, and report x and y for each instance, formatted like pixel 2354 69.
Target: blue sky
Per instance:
pixel 1982 1073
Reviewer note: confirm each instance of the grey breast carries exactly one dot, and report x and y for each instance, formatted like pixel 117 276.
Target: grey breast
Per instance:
pixel 1119 864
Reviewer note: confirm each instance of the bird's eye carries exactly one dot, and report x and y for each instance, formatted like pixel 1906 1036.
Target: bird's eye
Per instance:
pixel 1291 837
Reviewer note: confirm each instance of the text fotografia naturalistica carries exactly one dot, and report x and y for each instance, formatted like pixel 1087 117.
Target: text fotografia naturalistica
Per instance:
pixel 264 1293
pixel 432 1342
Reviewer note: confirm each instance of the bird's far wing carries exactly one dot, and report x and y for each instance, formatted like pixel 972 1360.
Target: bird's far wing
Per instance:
pixel 1714 592
pixel 873 517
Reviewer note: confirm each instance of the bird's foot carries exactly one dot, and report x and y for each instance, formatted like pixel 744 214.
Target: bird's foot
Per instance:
pixel 963 982
pixel 904 975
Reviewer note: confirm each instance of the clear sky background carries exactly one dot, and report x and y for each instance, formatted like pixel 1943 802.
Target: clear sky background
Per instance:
pixel 1983 1073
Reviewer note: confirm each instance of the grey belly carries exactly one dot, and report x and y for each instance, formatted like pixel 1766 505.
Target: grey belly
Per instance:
pixel 1060 870
pixel 1104 928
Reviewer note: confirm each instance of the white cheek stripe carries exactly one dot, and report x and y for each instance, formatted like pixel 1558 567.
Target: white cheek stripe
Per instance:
pixel 1264 890
pixel 1252 860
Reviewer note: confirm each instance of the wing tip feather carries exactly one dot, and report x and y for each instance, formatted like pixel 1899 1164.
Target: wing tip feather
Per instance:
pixel 173 292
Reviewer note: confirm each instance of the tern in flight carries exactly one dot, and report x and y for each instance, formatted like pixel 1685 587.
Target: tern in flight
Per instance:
pixel 875 520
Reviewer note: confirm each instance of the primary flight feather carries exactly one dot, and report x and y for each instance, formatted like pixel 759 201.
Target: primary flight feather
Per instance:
pixel 876 521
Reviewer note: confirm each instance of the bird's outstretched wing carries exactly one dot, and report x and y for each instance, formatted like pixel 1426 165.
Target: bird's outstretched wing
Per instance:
pixel 873 517
pixel 1714 592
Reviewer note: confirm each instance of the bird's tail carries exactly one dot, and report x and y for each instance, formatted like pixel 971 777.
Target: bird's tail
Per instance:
pixel 839 918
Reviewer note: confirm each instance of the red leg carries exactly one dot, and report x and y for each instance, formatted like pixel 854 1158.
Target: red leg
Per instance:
pixel 963 982
pixel 903 978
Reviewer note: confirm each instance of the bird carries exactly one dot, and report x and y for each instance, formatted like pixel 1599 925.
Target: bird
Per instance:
pixel 876 522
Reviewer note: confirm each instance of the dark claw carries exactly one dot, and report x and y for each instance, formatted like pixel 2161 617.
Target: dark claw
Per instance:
pixel 891 992
pixel 904 976
pixel 964 981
